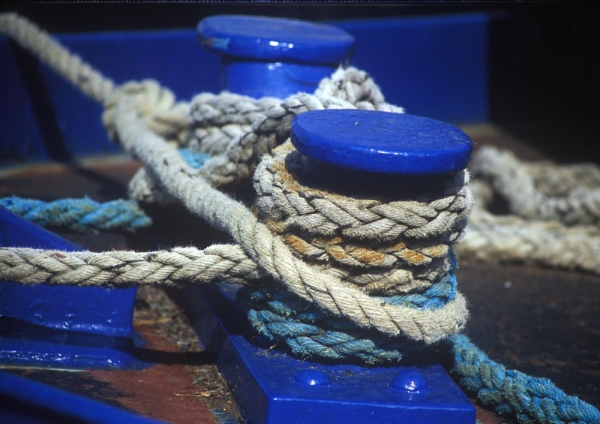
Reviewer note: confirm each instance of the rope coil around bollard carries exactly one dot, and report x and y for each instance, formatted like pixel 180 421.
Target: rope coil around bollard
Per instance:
pixel 398 284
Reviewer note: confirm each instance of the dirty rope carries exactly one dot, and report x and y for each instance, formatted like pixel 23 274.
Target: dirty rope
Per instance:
pixel 378 264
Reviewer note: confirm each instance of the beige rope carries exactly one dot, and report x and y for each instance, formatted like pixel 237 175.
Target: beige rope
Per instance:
pixel 63 62
pixel 122 268
pixel 554 213
pixel 542 191
pixel 239 129
pixel 360 237
pixel 272 255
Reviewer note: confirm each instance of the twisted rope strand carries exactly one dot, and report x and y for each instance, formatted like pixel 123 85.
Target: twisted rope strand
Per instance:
pixel 57 57
pixel 501 169
pixel 83 215
pixel 531 399
pixel 271 253
pixel 121 268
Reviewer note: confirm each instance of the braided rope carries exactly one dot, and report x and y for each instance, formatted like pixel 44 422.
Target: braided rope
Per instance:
pixel 122 268
pixel 309 332
pixel 81 215
pixel 577 205
pixel 265 249
pixel 272 255
pixel 531 399
pixel 238 130
pixel 554 220
pixel 57 57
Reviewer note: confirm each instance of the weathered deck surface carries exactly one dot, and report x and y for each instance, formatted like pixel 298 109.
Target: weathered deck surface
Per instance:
pixel 542 322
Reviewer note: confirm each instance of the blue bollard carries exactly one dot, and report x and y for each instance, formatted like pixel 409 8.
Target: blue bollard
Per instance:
pixel 61 327
pixel 274 57
pixel 271 387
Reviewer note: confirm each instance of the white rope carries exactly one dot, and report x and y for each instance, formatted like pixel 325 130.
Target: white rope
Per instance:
pixel 272 255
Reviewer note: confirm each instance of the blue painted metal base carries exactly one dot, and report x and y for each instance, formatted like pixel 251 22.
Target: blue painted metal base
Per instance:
pixel 272 387
pixel 57 326
pixel 23 401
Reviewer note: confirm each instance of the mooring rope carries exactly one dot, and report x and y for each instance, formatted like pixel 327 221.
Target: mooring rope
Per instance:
pixel 82 215
pixel 368 278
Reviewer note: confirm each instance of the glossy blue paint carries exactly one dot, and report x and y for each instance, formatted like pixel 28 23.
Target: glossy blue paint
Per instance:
pixel 433 66
pixel 43 117
pixel 312 378
pixel 272 387
pixel 260 79
pixel 24 401
pixel 275 39
pixel 410 381
pixel 263 56
pixel 381 142
pixel 54 326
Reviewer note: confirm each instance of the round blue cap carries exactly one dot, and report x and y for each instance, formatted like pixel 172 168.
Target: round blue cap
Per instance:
pixel 381 142
pixel 275 39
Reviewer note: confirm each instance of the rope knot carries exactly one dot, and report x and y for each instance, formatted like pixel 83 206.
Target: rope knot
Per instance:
pixel 395 251
pixel 155 104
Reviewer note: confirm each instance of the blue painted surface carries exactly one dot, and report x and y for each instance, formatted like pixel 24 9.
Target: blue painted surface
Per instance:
pixel 47 325
pixel 281 80
pixel 40 112
pixel 25 401
pixel 381 142
pixel 272 387
pixel 276 57
pixel 275 39
pixel 434 66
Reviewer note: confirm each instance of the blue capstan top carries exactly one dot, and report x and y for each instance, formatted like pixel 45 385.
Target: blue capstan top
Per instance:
pixel 275 39
pixel 381 142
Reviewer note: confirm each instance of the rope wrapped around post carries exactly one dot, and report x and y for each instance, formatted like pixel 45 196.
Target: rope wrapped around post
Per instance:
pixel 359 264
pixel 396 250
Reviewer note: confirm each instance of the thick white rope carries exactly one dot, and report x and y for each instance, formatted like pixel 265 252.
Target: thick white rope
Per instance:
pixel 272 255
pixel 57 57
pixel 554 213
pixel 166 118
pixel 122 268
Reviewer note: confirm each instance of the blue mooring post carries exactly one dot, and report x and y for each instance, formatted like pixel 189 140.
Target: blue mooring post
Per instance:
pixel 57 326
pixel 263 56
pixel 368 150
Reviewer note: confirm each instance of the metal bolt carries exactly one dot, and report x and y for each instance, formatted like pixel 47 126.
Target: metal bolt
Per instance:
pixel 409 381
pixel 312 378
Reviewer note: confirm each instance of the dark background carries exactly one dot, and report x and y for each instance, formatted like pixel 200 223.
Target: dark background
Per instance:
pixel 544 83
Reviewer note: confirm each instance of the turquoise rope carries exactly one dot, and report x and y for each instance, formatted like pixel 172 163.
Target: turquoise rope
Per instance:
pixel 86 215
pixel 280 317
pixel 82 215
pixel 531 399
pixel 194 158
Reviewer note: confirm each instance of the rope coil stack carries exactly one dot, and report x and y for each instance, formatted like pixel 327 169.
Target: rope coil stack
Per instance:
pixel 349 278
pixel 396 250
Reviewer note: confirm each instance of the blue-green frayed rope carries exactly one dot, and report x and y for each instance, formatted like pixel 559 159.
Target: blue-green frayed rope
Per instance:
pixel 280 316
pixel 82 215
pixel 194 158
pixel 86 215
pixel 530 399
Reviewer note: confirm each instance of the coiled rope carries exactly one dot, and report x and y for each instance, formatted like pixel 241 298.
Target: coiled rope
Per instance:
pixel 313 253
